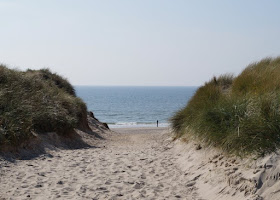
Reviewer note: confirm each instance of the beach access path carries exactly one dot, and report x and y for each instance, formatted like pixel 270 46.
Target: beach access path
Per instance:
pixel 133 163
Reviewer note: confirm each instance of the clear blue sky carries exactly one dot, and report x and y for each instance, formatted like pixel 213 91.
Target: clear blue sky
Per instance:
pixel 138 42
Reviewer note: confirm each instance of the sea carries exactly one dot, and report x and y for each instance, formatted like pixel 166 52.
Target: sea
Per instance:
pixel 127 106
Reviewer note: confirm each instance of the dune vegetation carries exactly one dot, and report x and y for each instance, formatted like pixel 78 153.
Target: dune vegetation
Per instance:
pixel 36 101
pixel 240 115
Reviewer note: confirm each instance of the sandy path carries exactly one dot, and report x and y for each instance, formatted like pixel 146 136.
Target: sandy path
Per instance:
pixel 132 164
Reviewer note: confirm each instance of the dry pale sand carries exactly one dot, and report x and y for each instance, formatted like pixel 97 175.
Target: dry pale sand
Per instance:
pixel 139 163
pixel 130 164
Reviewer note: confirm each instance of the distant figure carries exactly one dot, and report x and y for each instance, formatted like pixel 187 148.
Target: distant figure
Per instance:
pixel 157 123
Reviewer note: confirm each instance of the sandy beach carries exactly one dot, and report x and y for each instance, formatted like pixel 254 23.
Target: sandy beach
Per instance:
pixel 137 163
pixel 130 164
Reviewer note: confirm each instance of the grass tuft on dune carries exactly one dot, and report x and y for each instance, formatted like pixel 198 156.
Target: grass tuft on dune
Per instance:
pixel 36 101
pixel 240 115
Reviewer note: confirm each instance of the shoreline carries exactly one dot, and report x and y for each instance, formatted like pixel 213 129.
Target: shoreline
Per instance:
pixel 140 125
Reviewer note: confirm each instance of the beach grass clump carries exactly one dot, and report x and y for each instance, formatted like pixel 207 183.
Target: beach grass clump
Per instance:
pixel 240 115
pixel 36 101
pixel 53 78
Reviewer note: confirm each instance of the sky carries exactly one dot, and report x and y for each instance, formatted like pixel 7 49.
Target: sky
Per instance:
pixel 138 42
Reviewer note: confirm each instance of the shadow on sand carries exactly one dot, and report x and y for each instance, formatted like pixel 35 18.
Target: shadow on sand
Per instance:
pixel 40 145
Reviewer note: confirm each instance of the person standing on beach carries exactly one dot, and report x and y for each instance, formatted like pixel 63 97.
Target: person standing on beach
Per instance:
pixel 157 123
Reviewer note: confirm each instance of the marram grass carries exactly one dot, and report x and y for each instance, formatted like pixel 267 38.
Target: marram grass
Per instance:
pixel 36 101
pixel 240 115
